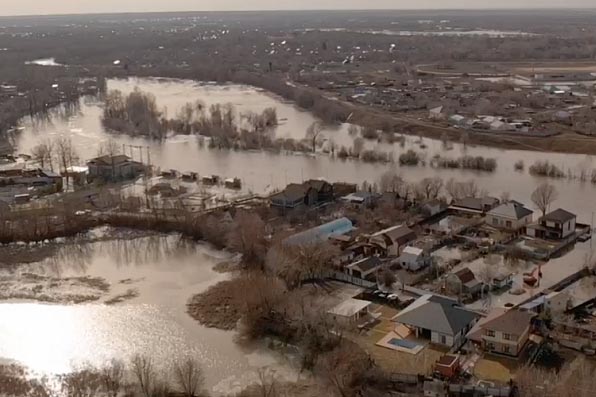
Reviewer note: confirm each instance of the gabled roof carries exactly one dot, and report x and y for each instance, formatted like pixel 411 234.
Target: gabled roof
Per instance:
pixel 110 160
pixel 511 210
pixel 317 184
pixel 414 251
pixel 293 192
pixel 400 234
pixel 366 264
pixel 476 203
pixel 512 322
pixel 559 215
pixel 438 314
pixel 321 233
pixel 465 275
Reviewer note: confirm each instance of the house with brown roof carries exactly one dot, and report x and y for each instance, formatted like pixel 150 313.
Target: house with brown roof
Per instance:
pixel 504 332
pixel 309 193
pixel 474 205
pixel 393 240
pixel 555 225
pixel 469 283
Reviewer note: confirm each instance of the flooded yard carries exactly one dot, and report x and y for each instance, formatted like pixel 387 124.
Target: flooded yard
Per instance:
pixel 140 309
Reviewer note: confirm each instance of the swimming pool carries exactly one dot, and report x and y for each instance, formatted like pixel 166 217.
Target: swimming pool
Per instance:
pixel 406 344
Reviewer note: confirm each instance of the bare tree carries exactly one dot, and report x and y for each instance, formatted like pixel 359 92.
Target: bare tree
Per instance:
pixel 247 236
pixel 390 182
pixel 544 195
pixel 110 148
pixel 345 370
pixel 189 377
pixel 66 154
pixel 312 133
pixel 43 154
pixel 144 371
pixel 112 377
pixel 83 383
pixel 430 188
pixel 458 190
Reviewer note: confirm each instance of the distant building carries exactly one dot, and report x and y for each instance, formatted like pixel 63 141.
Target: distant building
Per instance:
pixel 555 225
pixel 113 168
pixel 511 215
pixel 436 113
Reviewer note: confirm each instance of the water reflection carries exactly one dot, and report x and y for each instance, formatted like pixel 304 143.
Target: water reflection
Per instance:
pixel 165 270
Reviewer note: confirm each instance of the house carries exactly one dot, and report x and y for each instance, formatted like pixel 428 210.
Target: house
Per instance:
pixel 321 233
pixel 308 193
pixel 116 167
pixel 323 189
pixel 391 241
pixel 17 181
pixel 468 282
pixel 439 319
pixel 350 311
pixel 433 207
pixel 457 120
pixel 233 183
pixel 413 259
pixel 555 225
pixel 364 268
pixel 502 280
pixel 510 215
pixel 507 333
pixel 475 205
pixel 293 196
pixel 436 113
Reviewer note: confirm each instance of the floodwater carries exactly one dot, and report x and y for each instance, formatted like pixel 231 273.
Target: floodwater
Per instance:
pixel 262 171
pixel 44 62
pixel 165 271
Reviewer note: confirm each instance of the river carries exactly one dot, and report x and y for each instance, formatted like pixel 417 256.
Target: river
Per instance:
pixel 165 271
pixel 262 171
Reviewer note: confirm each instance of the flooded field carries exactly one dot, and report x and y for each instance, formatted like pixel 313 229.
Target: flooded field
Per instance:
pixel 153 277
pixel 262 171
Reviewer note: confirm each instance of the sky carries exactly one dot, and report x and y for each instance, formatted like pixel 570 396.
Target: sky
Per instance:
pixel 43 7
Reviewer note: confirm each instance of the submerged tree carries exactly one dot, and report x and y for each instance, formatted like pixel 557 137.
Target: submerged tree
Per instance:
pixel 544 195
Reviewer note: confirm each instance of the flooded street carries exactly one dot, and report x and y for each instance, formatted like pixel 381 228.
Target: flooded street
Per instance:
pixel 164 272
pixel 262 171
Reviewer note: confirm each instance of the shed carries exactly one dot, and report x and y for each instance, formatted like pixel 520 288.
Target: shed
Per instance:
pixel 350 310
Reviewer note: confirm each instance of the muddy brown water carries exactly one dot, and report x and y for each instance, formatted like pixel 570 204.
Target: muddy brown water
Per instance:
pixel 53 339
pixel 262 171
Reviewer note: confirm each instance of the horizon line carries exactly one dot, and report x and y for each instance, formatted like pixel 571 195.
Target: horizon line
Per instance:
pixel 96 13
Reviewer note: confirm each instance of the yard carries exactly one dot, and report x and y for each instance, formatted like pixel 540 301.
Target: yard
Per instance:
pixel 496 369
pixel 396 361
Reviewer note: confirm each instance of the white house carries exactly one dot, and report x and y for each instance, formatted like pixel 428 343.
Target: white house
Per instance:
pixel 555 225
pixel 511 215
pixel 413 259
